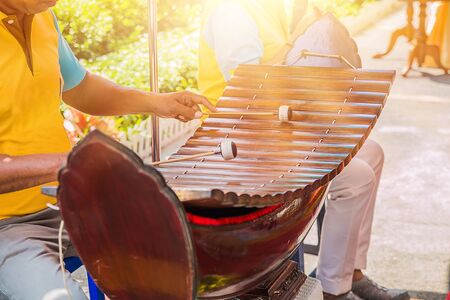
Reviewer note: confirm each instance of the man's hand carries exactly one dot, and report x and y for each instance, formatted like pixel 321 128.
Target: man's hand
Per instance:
pixel 183 106
pixel 101 97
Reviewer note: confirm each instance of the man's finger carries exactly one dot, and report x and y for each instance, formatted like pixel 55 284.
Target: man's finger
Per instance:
pixel 184 111
pixel 198 99
pixel 196 107
pixel 198 115
pixel 181 118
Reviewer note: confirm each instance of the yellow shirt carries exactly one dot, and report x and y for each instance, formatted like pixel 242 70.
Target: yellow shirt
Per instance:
pixel 271 22
pixel 30 93
pixel 440 36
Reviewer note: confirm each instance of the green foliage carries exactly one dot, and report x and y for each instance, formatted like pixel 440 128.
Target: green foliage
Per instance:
pixel 340 8
pixel 98 27
pixel 129 66
pixel 177 14
pixel 95 28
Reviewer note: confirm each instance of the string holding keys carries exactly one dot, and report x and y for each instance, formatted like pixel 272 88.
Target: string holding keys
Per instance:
pixel 227 149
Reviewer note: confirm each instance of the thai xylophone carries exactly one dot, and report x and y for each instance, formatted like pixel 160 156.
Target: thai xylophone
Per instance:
pixel 220 217
pixel 331 113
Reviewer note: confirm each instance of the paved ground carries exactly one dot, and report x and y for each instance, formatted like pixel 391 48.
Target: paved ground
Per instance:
pixel 411 236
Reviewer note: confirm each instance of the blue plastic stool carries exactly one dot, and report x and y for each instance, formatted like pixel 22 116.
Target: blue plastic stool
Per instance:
pixel 299 255
pixel 73 263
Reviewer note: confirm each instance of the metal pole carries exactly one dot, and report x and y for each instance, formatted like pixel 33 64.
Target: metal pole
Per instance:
pixel 153 64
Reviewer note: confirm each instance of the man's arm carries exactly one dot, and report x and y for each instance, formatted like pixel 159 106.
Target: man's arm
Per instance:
pixel 22 172
pixel 98 96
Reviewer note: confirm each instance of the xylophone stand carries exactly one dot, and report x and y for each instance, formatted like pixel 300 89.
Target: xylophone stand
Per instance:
pixel 286 283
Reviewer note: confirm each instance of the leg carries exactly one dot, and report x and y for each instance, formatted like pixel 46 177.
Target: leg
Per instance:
pixel 373 155
pixel 413 54
pixel 407 31
pixel 394 37
pixel 420 58
pixel 29 263
pixel 299 258
pixel 434 52
pixel 347 202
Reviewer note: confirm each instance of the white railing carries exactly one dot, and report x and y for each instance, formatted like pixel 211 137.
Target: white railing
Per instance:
pixel 173 133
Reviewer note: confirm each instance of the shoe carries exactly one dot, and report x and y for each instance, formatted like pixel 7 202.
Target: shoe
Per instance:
pixel 346 296
pixel 370 290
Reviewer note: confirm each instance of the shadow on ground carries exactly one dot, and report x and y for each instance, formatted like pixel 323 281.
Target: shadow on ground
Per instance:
pixel 424 295
pixel 445 79
pixel 431 295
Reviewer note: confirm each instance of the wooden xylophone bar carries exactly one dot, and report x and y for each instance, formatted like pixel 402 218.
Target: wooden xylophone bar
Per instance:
pixel 310 83
pixel 305 106
pixel 267 71
pixel 275 135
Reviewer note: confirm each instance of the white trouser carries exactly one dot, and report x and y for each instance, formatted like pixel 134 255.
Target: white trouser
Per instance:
pixel 348 220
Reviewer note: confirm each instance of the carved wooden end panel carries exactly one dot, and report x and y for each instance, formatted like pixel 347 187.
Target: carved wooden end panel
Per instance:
pixel 127 225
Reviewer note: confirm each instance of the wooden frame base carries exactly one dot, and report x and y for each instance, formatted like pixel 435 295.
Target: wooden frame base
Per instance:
pixel 283 284
pixel 421 48
pixel 419 52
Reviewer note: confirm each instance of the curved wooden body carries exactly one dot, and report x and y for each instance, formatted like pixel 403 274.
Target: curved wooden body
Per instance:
pixel 128 227
pixel 235 258
pixel 133 238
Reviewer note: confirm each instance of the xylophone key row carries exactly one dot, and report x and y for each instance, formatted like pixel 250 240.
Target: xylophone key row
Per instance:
pixel 320 73
pixel 284 114
pixel 305 83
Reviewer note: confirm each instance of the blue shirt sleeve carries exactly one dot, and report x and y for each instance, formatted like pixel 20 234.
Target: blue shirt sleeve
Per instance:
pixel 71 69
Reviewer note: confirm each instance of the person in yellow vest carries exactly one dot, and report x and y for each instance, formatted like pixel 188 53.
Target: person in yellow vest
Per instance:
pixel 440 34
pixel 256 32
pixel 37 69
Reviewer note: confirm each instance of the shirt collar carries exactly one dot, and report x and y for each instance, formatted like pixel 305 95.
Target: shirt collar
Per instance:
pixel 5 19
pixel 3 15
